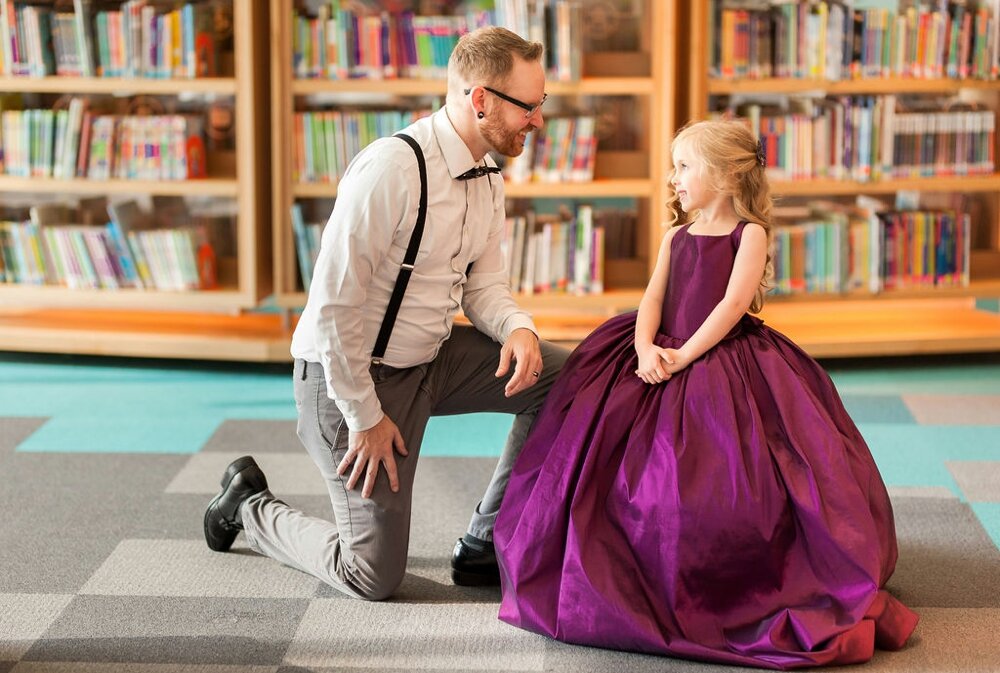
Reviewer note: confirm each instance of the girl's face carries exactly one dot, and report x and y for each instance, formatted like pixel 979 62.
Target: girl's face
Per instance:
pixel 689 180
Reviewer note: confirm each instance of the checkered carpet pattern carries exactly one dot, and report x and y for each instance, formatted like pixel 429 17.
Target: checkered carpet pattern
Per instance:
pixel 106 468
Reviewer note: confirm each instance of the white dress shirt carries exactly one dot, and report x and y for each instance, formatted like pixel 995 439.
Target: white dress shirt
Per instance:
pixel 362 249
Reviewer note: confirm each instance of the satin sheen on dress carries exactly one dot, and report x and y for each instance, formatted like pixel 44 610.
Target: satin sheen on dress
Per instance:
pixel 733 514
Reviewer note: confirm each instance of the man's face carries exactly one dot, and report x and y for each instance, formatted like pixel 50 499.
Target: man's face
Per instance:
pixel 507 124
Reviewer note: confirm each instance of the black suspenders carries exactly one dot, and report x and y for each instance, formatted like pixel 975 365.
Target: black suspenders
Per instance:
pixel 385 331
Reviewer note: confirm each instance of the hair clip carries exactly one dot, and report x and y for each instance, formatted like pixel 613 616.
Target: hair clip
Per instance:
pixel 761 154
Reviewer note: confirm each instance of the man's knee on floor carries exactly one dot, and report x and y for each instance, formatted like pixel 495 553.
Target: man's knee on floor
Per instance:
pixel 377 580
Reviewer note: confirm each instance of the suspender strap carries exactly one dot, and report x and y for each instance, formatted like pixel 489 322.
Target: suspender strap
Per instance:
pixel 396 300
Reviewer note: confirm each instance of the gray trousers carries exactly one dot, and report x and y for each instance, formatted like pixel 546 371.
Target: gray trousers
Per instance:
pixel 363 551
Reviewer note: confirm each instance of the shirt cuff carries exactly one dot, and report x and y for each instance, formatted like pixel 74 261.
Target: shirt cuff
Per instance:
pixel 361 414
pixel 517 321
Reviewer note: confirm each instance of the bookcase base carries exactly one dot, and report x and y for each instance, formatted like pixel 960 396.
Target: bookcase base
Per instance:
pixel 824 329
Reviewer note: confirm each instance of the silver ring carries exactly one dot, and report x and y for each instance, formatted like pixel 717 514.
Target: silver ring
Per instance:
pixel 536 374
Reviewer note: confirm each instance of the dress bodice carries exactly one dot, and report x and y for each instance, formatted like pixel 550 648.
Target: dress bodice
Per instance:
pixel 700 267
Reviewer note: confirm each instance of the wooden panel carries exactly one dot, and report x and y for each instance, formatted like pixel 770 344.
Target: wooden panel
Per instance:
pixel 257 338
pixel 847 329
pixel 886 328
pixel 957 183
pixel 119 86
pixel 611 164
pixel 888 85
pixel 617 64
pixel 205 187
pixel 193 300
pixel 438 87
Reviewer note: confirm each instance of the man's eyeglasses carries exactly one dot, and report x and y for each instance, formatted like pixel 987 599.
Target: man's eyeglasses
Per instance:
pixel 529 109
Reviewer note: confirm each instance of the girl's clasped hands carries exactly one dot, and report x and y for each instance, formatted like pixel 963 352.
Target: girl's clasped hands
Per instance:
pixel 657 365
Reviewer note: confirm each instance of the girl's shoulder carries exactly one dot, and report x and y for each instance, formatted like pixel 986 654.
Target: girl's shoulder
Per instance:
pixel 749 226
pixel 750 233
pixel 672 232
pixel 666 243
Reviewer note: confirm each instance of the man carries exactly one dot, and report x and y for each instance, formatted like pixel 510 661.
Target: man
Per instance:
pixel 361 418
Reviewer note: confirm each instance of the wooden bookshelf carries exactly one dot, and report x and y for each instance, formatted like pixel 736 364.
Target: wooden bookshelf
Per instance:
pixel 885 85
pixel 889 328
pixel 964 183
pixel 647 75
pixel 904 321
pixel 528 190
pixel 62 317
pixel 222 187
pixel 672 89
pixel 183 334
pixel 119 86
pixel 586 86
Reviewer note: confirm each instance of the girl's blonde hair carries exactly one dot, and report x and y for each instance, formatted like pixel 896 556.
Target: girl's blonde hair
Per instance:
pixel 730 161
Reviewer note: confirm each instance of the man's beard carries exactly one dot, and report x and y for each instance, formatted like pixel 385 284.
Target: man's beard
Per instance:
pixel 502 139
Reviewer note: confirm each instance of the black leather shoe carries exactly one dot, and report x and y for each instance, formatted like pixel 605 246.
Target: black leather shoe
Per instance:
pixel 241 479
pixel 474 563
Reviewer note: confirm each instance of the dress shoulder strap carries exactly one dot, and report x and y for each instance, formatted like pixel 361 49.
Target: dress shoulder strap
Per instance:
pixel 737 234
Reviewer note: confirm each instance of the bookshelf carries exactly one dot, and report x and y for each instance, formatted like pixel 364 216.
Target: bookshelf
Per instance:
pixel 644 74
pixel 237 175
pixel 907 320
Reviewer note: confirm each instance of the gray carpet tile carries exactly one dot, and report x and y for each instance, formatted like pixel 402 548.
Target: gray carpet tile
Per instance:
pixel 25 617
pixel 340 633
pixel 428 580
pixel 248 436
pixel 355 669
pixel 13 431
pixel 173 516
pixel 143 629
pixel 67 512
pixel 946 559
pixel 287 473
pixel 877 408
pixel 954 409
pixel 978 479
pixel 445 494
pixel 563 658
pixel 921 492
pixel 106 667
pixel 189 568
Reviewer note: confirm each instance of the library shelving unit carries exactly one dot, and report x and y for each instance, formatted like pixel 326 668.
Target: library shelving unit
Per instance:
pixel 645 74
pixel 891 322
pixel 154 323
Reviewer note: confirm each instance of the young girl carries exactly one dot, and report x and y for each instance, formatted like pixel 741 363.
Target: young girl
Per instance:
pixel 693 485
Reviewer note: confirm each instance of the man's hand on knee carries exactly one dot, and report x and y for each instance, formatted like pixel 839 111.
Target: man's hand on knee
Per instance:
pixel 367 449
pixel 521 347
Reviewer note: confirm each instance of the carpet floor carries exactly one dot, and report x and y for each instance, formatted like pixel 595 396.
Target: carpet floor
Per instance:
pixel 106 466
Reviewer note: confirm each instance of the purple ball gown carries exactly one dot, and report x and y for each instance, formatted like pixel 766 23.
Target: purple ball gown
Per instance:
pixel 733 514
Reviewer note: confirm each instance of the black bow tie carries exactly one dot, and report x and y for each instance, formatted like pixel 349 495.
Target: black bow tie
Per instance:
pixel 478 172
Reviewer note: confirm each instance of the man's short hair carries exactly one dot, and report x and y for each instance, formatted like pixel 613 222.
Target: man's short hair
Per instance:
pixel 486 55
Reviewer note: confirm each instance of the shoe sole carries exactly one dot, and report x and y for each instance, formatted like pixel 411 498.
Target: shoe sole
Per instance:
pixel 225 542
pixel 466 579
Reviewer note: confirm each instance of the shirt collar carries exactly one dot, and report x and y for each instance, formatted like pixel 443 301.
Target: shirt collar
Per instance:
pixel 456 153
